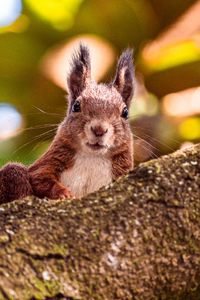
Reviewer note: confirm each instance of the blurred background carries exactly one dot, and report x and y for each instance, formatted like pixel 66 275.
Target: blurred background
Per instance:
pixel 37 38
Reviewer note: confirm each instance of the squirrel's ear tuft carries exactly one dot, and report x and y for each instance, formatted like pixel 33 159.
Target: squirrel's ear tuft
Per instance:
pixel 80 72
pixel 124 78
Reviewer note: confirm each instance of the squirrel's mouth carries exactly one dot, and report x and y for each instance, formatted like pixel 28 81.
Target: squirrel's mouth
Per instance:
pixel 96 146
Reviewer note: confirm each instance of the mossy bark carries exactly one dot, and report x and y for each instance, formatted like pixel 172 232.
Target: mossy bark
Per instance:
pixel 139 239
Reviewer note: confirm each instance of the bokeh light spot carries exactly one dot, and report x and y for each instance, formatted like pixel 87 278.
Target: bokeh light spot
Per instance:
pixel 10 121
pixel 171 56
pixel 190 128
pixel 182 104
pixel 59 14
pixel 56 62
pixel 9 11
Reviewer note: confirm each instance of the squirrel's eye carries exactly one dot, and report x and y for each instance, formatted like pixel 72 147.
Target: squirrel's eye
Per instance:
pixel 76 107
pixel 125 113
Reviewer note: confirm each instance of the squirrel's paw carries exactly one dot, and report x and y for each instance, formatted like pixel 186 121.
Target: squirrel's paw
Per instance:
pixel 60 192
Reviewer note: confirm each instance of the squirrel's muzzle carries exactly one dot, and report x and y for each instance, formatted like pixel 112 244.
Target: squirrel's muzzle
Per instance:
pixel 99 131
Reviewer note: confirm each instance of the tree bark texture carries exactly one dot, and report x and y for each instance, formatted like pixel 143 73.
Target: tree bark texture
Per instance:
pixel 138 239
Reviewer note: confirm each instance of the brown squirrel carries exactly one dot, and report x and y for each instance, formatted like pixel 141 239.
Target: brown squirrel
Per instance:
pixel 93 144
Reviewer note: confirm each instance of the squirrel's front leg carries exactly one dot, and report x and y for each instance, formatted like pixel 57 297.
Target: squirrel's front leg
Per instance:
pixel 122 163
pixel 45 172
pixel 46 185
pixel 58 191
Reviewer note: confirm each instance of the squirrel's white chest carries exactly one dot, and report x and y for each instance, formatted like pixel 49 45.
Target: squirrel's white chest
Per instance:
pixel 87 175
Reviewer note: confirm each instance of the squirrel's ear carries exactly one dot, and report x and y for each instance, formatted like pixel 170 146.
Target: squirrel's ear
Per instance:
pixel 124 78
pixel 80 72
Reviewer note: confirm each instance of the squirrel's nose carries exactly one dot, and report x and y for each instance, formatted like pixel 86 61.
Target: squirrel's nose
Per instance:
pixel 98 130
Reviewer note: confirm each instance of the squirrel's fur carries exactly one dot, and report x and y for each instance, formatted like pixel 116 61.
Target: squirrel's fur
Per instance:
pixel 93 144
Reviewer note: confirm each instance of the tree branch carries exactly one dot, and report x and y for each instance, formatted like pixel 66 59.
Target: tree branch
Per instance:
pixel 137 239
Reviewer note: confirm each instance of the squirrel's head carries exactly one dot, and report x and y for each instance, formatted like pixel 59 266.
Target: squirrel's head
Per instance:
pixel 98 113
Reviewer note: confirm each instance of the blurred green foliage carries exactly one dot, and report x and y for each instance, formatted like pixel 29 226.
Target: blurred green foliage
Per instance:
pixel 47 23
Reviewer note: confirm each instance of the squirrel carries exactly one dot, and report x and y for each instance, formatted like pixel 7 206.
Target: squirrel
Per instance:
pixel 93 145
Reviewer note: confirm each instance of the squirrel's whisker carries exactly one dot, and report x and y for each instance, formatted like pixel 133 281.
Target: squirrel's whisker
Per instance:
pixel 34 139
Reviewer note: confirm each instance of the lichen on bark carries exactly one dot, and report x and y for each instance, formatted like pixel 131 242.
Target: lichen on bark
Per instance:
pixel 138 238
